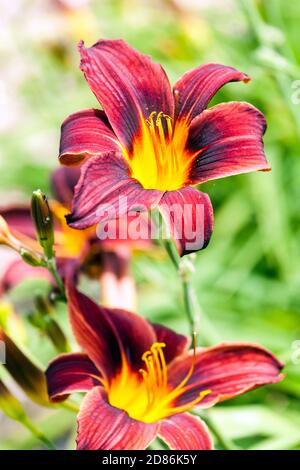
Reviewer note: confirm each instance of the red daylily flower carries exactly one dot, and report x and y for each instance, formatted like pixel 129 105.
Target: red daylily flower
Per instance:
pixel 151 145
pixel 141 380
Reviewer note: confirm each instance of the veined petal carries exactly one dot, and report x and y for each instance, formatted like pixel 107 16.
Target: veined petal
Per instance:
pixel 84 134
pixel 189 215
pixel 176 344
pixel 103 427
pixel 194 90
pixel 228 138
pixel 71 372
pixel 227 370
pixel 106 191
pixel 63 182
pixel 185 432
pixel 128 85
pixel 107 335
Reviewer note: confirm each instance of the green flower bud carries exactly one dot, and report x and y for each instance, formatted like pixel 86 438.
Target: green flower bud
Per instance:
pixel 43 221
pixel 34 259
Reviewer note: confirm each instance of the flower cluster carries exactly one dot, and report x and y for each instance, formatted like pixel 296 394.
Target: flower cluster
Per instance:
pixel 144 151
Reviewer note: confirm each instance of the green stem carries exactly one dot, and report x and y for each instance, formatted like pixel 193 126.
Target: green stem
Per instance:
pixel 188 298
pixel 224 442
pixel 70 406
pixel 196 316
pixel 37 433
pixel 51 265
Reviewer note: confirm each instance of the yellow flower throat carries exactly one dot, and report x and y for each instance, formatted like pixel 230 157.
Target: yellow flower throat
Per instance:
pixel 146 396
pixel 159 159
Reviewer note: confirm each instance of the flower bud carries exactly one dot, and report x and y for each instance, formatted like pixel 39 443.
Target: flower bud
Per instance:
pixel 43 221
pixel 32 258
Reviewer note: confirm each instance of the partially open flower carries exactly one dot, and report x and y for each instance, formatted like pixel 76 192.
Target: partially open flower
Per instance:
pixel 142 381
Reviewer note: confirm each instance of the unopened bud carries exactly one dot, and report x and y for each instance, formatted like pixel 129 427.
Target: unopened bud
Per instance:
pixel 43 221
pixel 32 258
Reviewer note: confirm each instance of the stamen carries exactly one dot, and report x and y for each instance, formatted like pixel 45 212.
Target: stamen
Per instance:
pixel 189 405
pixel 151 398
pixel 176 100
pixel 191 370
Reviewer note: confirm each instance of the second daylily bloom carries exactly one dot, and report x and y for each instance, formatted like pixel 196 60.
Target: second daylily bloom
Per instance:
pixel 150 145
pixel 105 259
pixel 141 380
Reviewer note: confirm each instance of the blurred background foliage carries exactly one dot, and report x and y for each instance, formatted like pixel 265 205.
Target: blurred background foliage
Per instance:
pixel 247 280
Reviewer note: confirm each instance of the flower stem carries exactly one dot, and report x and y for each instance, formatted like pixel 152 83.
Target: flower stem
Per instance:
pixel 224 442
pixel 189 306
pixel 37 433
pixel 194 313
pixel 51 265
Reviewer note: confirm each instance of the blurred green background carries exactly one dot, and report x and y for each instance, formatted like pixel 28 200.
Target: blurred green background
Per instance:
pixel 247 280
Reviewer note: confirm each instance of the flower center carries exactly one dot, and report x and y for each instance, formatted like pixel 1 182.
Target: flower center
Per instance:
pixel 147 396
pixel 159 160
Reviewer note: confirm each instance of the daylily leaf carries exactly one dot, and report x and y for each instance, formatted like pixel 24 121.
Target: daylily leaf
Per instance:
pixel 28 375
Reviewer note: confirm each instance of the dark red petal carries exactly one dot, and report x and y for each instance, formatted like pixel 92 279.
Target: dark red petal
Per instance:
pixel 18 271
pixel 68 373
pixel 103 427
pixel 176 344
pixel 84 134
pixel 106 191
pixel 194 90
pixel 227 370
pixel 128 85
pixel 229 138
pixel 186 432
pixel 19 220
pixel 105 333
pixel 63 182
pixel 189 215
pixel 136 335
